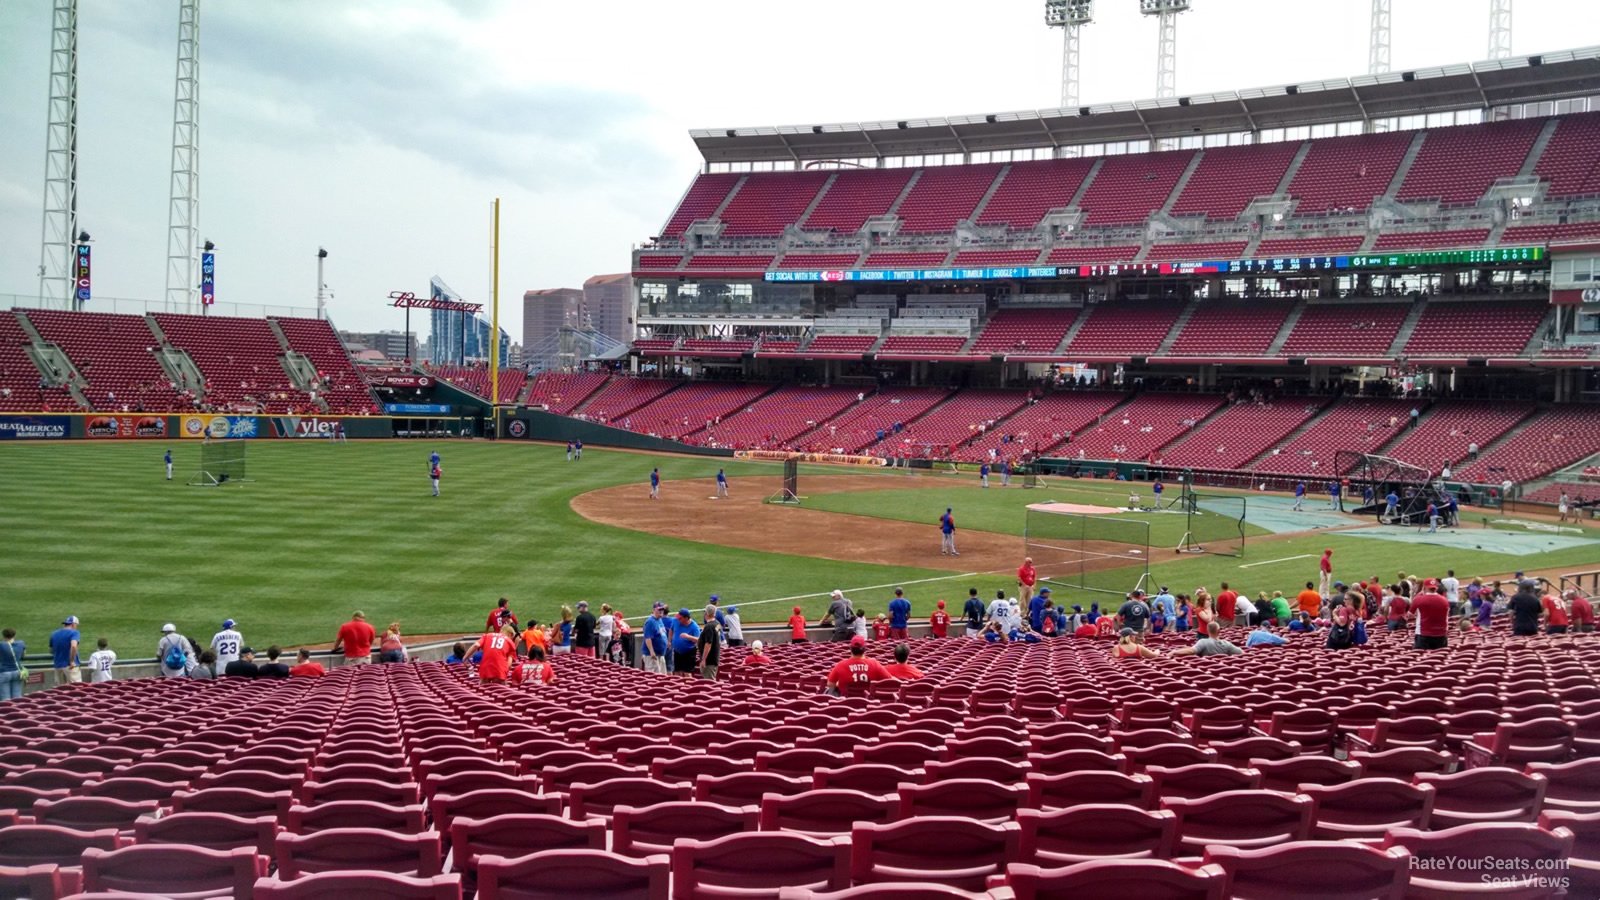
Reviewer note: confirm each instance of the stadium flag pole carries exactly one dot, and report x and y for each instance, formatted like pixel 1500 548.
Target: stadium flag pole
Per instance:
pixel 494 327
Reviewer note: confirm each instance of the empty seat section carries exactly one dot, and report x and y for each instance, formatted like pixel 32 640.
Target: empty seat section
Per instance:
pixel 702 200
pixel 1476 328
pixel 114 354
pixel 1272 248
pixel 1432 240
pixel 943 196
pixel 1457 165
pixel 1024 331
pixel 773 421
pixel 475 380
pixel 818 261
pixel 1195 252
pixel 692 407
pixel 728 264
pixel 1345 173
pixel 1448 427
pixel 1127 189
pixel 240 359
pixel 1228 178
pixel 1241 433
pixel 860 425
pixel 855 196
pixel 1364 330
pixel 622 396
pixel 842 343
pixel 922 345
pixel 658 262
pixel 1555 438
pixel 1569 163
pixel 19 377
pixel 891 260
pixel 732 347
pixel 1031 189
pixel 1351 424
pixel 1041 426
pixel 768 202
pixel 563 392
pixel 341 385
pixel 1124 329
pixel 996 257
pixel 1139 427
pixel 952 424
pixel 1546 234
pixel 1078 257
pixel 1245 328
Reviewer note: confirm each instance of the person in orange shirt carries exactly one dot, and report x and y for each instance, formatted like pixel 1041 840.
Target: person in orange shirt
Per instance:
pixel 797 627
pixel 533 637
pixel 939 622
pixel 900 668
pixel 1310 601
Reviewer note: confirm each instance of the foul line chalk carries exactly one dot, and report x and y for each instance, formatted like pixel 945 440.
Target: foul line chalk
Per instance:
pixel 1268 562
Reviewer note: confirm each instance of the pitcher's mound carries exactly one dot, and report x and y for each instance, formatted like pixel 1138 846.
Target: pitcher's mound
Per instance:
pixel 1077 508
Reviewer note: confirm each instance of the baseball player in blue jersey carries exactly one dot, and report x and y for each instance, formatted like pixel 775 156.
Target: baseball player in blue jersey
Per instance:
pixel 983 475
pixel 655 484
pixel 1300 496
pixel 947 528
pixel 722 484
pixel 169 465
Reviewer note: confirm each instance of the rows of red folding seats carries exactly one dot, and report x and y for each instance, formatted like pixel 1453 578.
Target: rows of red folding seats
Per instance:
pixel 1093 256
pixel 1031 189
pixel 860 425
pixel 655 344
pixel 1025 331
pixel 1271 248
pixel 1128 328
pixel 996 257
pixel 818 261
pixel 475 380
pixel 1231 327
pixel 1041 425
pixel 856 196
pixel 1228 178
pixel 342 386
pixel 774 421
pixel 768 202
pixel 1431 240
pixel 621 396
pixel 1127 189
pixel 1476 328
pixel 1354 423
pixel 1547 441
pixel 943 196
pixel 563 392
pixel 114 353
pixel 966 415
pixel 702 200
pixel 241 360
pixel 1198 252
pixel 842 343
pixel 779 345
pixel 19 377
pixel 693 407
pixel 1345 329
pixel 1141 426
pixel 897 260
pixel 1449 427
pixel 1575 490
pixel 1347 172
pixel 659 261
pixel 1548 234
pixel 1241 433
pixel 1569 162
pixel 935 345
pixel 1457 165
pixel 729 264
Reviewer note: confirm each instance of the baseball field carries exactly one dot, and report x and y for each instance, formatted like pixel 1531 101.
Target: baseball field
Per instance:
pixel 321 529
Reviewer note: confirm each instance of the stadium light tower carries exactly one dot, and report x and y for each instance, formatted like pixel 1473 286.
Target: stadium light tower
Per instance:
pixel 1166 12
pixel 1069 16
pixel 183 213
pixel 1499 29
pixel 1378 39
pixel 57 244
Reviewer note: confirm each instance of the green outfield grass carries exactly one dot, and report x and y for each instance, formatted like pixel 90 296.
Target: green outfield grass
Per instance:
pixel 94 529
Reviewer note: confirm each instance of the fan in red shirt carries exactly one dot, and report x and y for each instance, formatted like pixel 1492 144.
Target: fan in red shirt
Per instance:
pixel 355 638
pixel 1105 626
pixel 880 628
pixel 499 651
pixel 1226 605
pixel 1026 579
pixel 852 675
pixel 1555 613
pixel 501 616
pixel 1397 612
pixel 1433 617
pixel 939 622
pixel 900 668
pixel 1582 614
pixel 535 671
pixel 797 627
pixel 1085 631
pixel 757 655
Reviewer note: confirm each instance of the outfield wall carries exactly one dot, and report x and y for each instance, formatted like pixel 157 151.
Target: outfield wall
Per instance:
pixel 31 427
pixel 538 425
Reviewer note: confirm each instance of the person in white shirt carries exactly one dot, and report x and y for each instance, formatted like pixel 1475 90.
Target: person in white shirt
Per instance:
pixel 605 627
pixel 860 624
pixel 175 646
pixel 1452 588
pixel 101 661
pixel 733 628
pixel 1243 607
pixel 226 644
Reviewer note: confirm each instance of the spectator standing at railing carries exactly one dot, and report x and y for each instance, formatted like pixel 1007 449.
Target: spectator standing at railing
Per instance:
pixel 11 653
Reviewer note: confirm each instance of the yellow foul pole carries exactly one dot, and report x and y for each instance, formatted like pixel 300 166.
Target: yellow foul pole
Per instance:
pixel 494 326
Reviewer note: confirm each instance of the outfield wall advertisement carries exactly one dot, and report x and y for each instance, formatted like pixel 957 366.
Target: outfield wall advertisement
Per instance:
pixel 125 427
pixel 35 428
pixel 222 427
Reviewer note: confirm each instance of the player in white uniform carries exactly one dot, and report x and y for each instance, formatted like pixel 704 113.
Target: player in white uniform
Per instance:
pixel 101 660
pixel 226 643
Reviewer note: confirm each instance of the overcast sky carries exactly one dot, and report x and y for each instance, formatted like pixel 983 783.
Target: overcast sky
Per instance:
pixel 382 129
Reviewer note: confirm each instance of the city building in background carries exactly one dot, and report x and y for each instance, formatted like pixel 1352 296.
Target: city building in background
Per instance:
pixel 392 344
pixel 547 311
pixel 608 302
pixel 447 345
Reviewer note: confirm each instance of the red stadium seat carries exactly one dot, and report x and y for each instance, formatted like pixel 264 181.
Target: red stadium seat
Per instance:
pixel 173 871
pixel 1289 774
pixel 1254 818
pixel 1072 788
pixel 650 830
pixel 598 800
pixel 1092 831
pixel 1573 786
pixel 356 814
pixel 1367 807
pixel 741 865
pixel 334 849
pixel 555 874
pixel 1326 870
pixel 1489 794
pixel 517 834
pixel 343 885
pixel 872 778
pixel 919 849
pixel 972 798
pixel 1517 744
pixel 214 831
pixel 824 812
pixel 1437 872
pixel 746 788
pixel 1145 879
pixel 1204 779
pixel 25 846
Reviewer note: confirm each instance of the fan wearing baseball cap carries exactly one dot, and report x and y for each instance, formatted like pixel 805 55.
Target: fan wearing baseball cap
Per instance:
pixel 1432 610
pixel 226 643
pixel 657 633
pixel 685 644
pixel 797 627
pixel 850 676
pixel 64 651
pixel 939 622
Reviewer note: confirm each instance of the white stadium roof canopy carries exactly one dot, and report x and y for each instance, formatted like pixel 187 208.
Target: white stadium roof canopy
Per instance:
pixel 1482 85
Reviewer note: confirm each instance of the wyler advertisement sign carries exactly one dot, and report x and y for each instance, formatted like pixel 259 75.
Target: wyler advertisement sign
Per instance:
pixel 222 427
pixel 34 428
pixel 304 427
pixel 126 427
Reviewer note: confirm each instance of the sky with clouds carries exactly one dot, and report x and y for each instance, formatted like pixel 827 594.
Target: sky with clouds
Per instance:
pixel 382 129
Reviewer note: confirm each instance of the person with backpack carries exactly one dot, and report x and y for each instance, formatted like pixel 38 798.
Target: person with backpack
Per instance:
pixel 174 653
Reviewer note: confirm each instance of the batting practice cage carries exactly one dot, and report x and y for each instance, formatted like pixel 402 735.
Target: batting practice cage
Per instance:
pixel 1414 487
pixel 791 483
pixel 1215 523
pixel 221 462
pixel 1075 551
